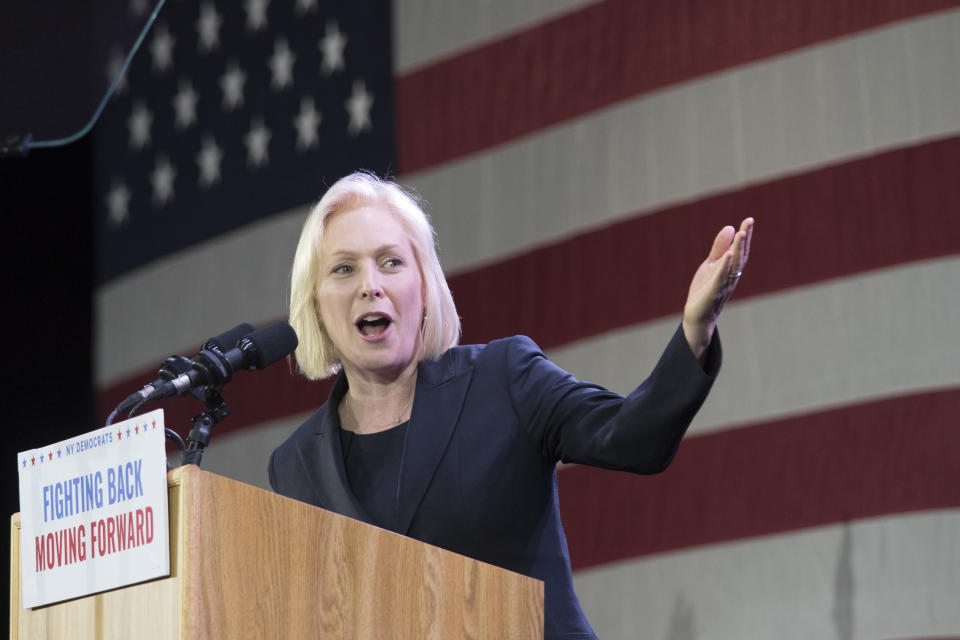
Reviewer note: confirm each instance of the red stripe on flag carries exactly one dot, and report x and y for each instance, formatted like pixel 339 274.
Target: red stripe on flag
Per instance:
pixel 892 456
pixel 876 212
pixel 604 53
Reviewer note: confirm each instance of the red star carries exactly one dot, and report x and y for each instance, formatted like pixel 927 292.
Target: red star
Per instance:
pixel 154 424
pixel 136 430
pixel 33 462
pixel 119 435
pixel 50 456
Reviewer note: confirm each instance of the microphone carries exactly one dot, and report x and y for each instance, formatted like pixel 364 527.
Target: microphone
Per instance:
pixel 215 364
pixel 175 366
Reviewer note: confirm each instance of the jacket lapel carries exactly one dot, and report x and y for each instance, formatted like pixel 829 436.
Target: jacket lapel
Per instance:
pixel 323 460
pixel 436 410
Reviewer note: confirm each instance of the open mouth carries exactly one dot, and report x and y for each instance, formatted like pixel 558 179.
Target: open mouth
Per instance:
pixel 373 324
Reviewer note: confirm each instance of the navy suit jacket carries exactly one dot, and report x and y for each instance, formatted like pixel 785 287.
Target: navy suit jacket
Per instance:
pixel 488 425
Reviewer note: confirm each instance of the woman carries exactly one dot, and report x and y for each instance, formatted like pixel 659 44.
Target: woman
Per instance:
pixel 457 446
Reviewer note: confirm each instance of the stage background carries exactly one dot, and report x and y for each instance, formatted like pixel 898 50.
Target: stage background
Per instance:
pixel 576 158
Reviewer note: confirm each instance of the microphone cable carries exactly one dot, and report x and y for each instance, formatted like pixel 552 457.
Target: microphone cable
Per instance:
pixel 23 146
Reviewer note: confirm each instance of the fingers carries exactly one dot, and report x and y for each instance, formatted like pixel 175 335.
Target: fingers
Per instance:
pixel 721 243
pixel 721 277
pixel 747 227
pixel 741 246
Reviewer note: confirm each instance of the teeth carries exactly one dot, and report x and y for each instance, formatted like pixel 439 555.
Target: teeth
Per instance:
pixel 372 318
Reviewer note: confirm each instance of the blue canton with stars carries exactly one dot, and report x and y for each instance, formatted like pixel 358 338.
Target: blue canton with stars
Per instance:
pixel 234 111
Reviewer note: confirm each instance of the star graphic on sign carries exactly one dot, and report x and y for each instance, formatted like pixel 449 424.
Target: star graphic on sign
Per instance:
pixel 113 68
pixel 24 463
pixel 306 6
pixel 139 124
pixel 51 455
pixel 208 26
pixel 162 178
pixel 358 106
pixel 256 14
pixel 209 159
pixel 257 141
pixel 331 46
pixel 306 124
pixel 161 48
pixel 185 105
pixel 118 202
pixel 33 462
pixel 59 453
pixel 119 435
pixel 41 458
pixel 231 83
pixel 128 432
pixel 136 430
pixel 281 65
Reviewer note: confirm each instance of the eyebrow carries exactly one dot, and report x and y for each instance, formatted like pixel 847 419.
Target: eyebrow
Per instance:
pixel 384 248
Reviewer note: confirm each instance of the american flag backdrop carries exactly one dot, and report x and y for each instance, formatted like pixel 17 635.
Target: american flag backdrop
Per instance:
pixel 577 158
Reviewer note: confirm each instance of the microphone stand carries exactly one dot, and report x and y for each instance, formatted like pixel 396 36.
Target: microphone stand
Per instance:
pixel 199 436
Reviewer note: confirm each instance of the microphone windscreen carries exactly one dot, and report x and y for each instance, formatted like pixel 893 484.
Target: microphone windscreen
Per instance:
pixel 272 343
pixel 228 339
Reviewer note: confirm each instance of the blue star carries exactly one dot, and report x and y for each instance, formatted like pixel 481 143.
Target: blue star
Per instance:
pixel 41 459
pixel 59 453
pixel 24 463
pixel 128 433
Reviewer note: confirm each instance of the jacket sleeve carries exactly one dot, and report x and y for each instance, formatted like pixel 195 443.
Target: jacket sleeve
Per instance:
pixel 581 422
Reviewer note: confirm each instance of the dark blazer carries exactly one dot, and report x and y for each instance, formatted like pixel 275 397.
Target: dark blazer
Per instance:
pixel 488 425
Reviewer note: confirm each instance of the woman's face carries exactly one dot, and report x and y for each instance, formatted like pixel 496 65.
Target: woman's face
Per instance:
pixel 370 292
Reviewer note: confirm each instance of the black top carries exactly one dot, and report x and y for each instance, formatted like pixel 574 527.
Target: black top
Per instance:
pixel 373 463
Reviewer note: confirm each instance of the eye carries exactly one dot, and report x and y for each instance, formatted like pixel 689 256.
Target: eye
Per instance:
pixel 342 269
pixel 393 263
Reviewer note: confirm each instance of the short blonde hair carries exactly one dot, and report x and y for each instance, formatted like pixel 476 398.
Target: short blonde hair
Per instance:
pixel 315 354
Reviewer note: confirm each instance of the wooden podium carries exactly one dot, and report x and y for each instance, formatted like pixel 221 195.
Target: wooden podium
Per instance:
pixel 246 563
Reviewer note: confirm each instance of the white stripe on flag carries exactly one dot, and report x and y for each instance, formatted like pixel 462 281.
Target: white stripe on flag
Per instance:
pixel 865 580
pixel 811 348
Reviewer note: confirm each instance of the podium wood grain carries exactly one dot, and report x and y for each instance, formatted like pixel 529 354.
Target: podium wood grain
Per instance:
pixel 246 563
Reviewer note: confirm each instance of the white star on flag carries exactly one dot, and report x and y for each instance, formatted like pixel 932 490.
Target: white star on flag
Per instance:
pixel 138 7
pixel 162 179
pixel 305 6
pixel 118 201
pixel 257 141
pixel 161 48
pixel 139 124
pixel 256 14
pixel 281 65
pixel 231 83
pixel 331 46
pixel 208 26
pixel 358 106
pixel 185 105
pixel 208 160
pixel 113 68
pixel 306 124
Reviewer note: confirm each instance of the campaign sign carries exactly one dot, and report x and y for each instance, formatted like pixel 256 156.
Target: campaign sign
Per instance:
pixel 93 511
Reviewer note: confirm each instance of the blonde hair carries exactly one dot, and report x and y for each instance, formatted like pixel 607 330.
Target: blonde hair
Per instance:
pixel 315 354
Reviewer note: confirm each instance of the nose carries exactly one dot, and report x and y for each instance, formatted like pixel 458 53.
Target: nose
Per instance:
pixel 371 288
